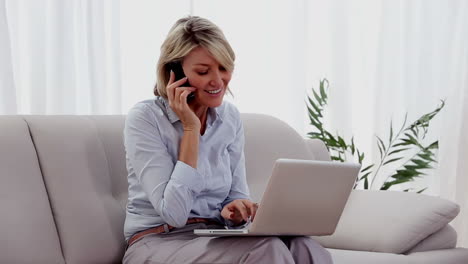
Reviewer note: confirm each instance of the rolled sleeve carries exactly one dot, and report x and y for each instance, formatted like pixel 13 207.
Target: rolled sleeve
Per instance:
pixel 187 175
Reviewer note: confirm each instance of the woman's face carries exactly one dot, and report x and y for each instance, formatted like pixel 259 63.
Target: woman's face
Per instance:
pixel 207 75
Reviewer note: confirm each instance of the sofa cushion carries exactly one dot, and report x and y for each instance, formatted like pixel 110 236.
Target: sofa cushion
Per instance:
pixel 87 204
pixel 388 221
pixel 441 256
pixel 359 257
pixel 27 231
pixel 444 256
pixel 445 238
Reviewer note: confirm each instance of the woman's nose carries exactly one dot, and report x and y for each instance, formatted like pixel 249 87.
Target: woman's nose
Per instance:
pixel 216 80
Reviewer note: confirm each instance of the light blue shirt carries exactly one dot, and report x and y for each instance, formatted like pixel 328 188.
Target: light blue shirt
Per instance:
pixel 163 189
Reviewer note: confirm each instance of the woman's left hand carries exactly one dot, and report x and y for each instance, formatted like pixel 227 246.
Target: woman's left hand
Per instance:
pixel 239 210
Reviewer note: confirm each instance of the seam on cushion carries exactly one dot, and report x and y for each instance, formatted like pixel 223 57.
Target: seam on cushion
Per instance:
pixel 98 135
pixel 46 189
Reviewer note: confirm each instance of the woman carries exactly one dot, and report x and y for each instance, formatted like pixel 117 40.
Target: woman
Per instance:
pixel 185 162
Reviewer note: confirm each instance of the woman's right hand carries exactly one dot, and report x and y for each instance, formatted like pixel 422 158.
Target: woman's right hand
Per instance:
pixel 177 96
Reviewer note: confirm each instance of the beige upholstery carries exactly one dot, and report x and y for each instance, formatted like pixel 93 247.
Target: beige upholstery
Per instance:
pixel 445 238
pixel 319 149
pixel 266 140
pixel 76 171
pixel 403 219
pixel 444 256
pixel 64 192
pixel 27 229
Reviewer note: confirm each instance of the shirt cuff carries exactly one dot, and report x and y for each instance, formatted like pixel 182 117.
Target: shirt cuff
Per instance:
pixel 187 175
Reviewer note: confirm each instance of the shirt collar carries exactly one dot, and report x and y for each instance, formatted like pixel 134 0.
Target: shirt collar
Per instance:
pixel 212 115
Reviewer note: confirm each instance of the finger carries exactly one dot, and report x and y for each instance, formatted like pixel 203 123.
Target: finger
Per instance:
pixel 181 93
pixel 172 86
pixel 177 92
pixel 242 211
pixel 169 87
pixel 171 77
pixel 249 206
pixel 179 82
pixel 184 95
pixel 236 217
pixel 226 213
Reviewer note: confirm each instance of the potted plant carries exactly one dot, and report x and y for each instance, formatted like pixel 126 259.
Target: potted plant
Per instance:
pixel 405 147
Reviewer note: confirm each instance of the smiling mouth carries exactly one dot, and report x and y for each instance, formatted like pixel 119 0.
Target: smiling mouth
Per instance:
pixel 214 91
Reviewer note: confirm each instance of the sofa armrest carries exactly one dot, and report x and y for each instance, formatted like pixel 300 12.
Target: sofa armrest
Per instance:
pixel 389 221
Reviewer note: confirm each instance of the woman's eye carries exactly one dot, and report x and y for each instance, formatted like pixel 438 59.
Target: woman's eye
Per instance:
pixel 221 68
pixel 202 73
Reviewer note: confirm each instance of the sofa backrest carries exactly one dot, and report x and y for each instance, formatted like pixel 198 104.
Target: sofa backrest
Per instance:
pixel 79 157
pixel 266 140
pixel 27 229
pixel 69 182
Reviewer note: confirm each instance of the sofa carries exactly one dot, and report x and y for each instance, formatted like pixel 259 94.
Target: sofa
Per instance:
pixel 64 191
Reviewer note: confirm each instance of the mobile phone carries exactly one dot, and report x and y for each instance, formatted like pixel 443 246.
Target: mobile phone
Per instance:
pixel 176 67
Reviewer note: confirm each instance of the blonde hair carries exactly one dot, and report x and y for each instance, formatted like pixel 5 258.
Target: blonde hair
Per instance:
pixel 186 34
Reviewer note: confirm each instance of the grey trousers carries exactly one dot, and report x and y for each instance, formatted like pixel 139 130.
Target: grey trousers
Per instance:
pixel 180 245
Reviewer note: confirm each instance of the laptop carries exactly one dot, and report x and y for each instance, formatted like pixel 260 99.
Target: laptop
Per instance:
pixel 302 198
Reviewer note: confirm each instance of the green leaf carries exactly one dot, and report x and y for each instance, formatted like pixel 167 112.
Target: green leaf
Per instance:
pixel 331 139
pixel 404 122
pixel 337 158
pixel 316 135
pixel 316 108
pixel 342 143
pixel 366 183
pixel 405 174
pixel 365 175
pixel 315 123
pixel 361 158
pixel 387 185
pixel 415 167
pixel 422 190
pixel 318 98
pixel 392 160
pixel 420 162
pixel 427 157
pixel 397 150
pixel 315 120
pixel 322 89
pixel 412 139
pixel 382 143
pixel 367 168
pixel 404 142
pixel 353 147
pixel 391 134
pixel 380 150
pixel 433 145
pixel 415 131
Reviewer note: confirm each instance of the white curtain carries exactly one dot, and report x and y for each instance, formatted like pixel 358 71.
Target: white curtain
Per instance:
pixel 62 57
pixel 382 58
pixel 7 86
